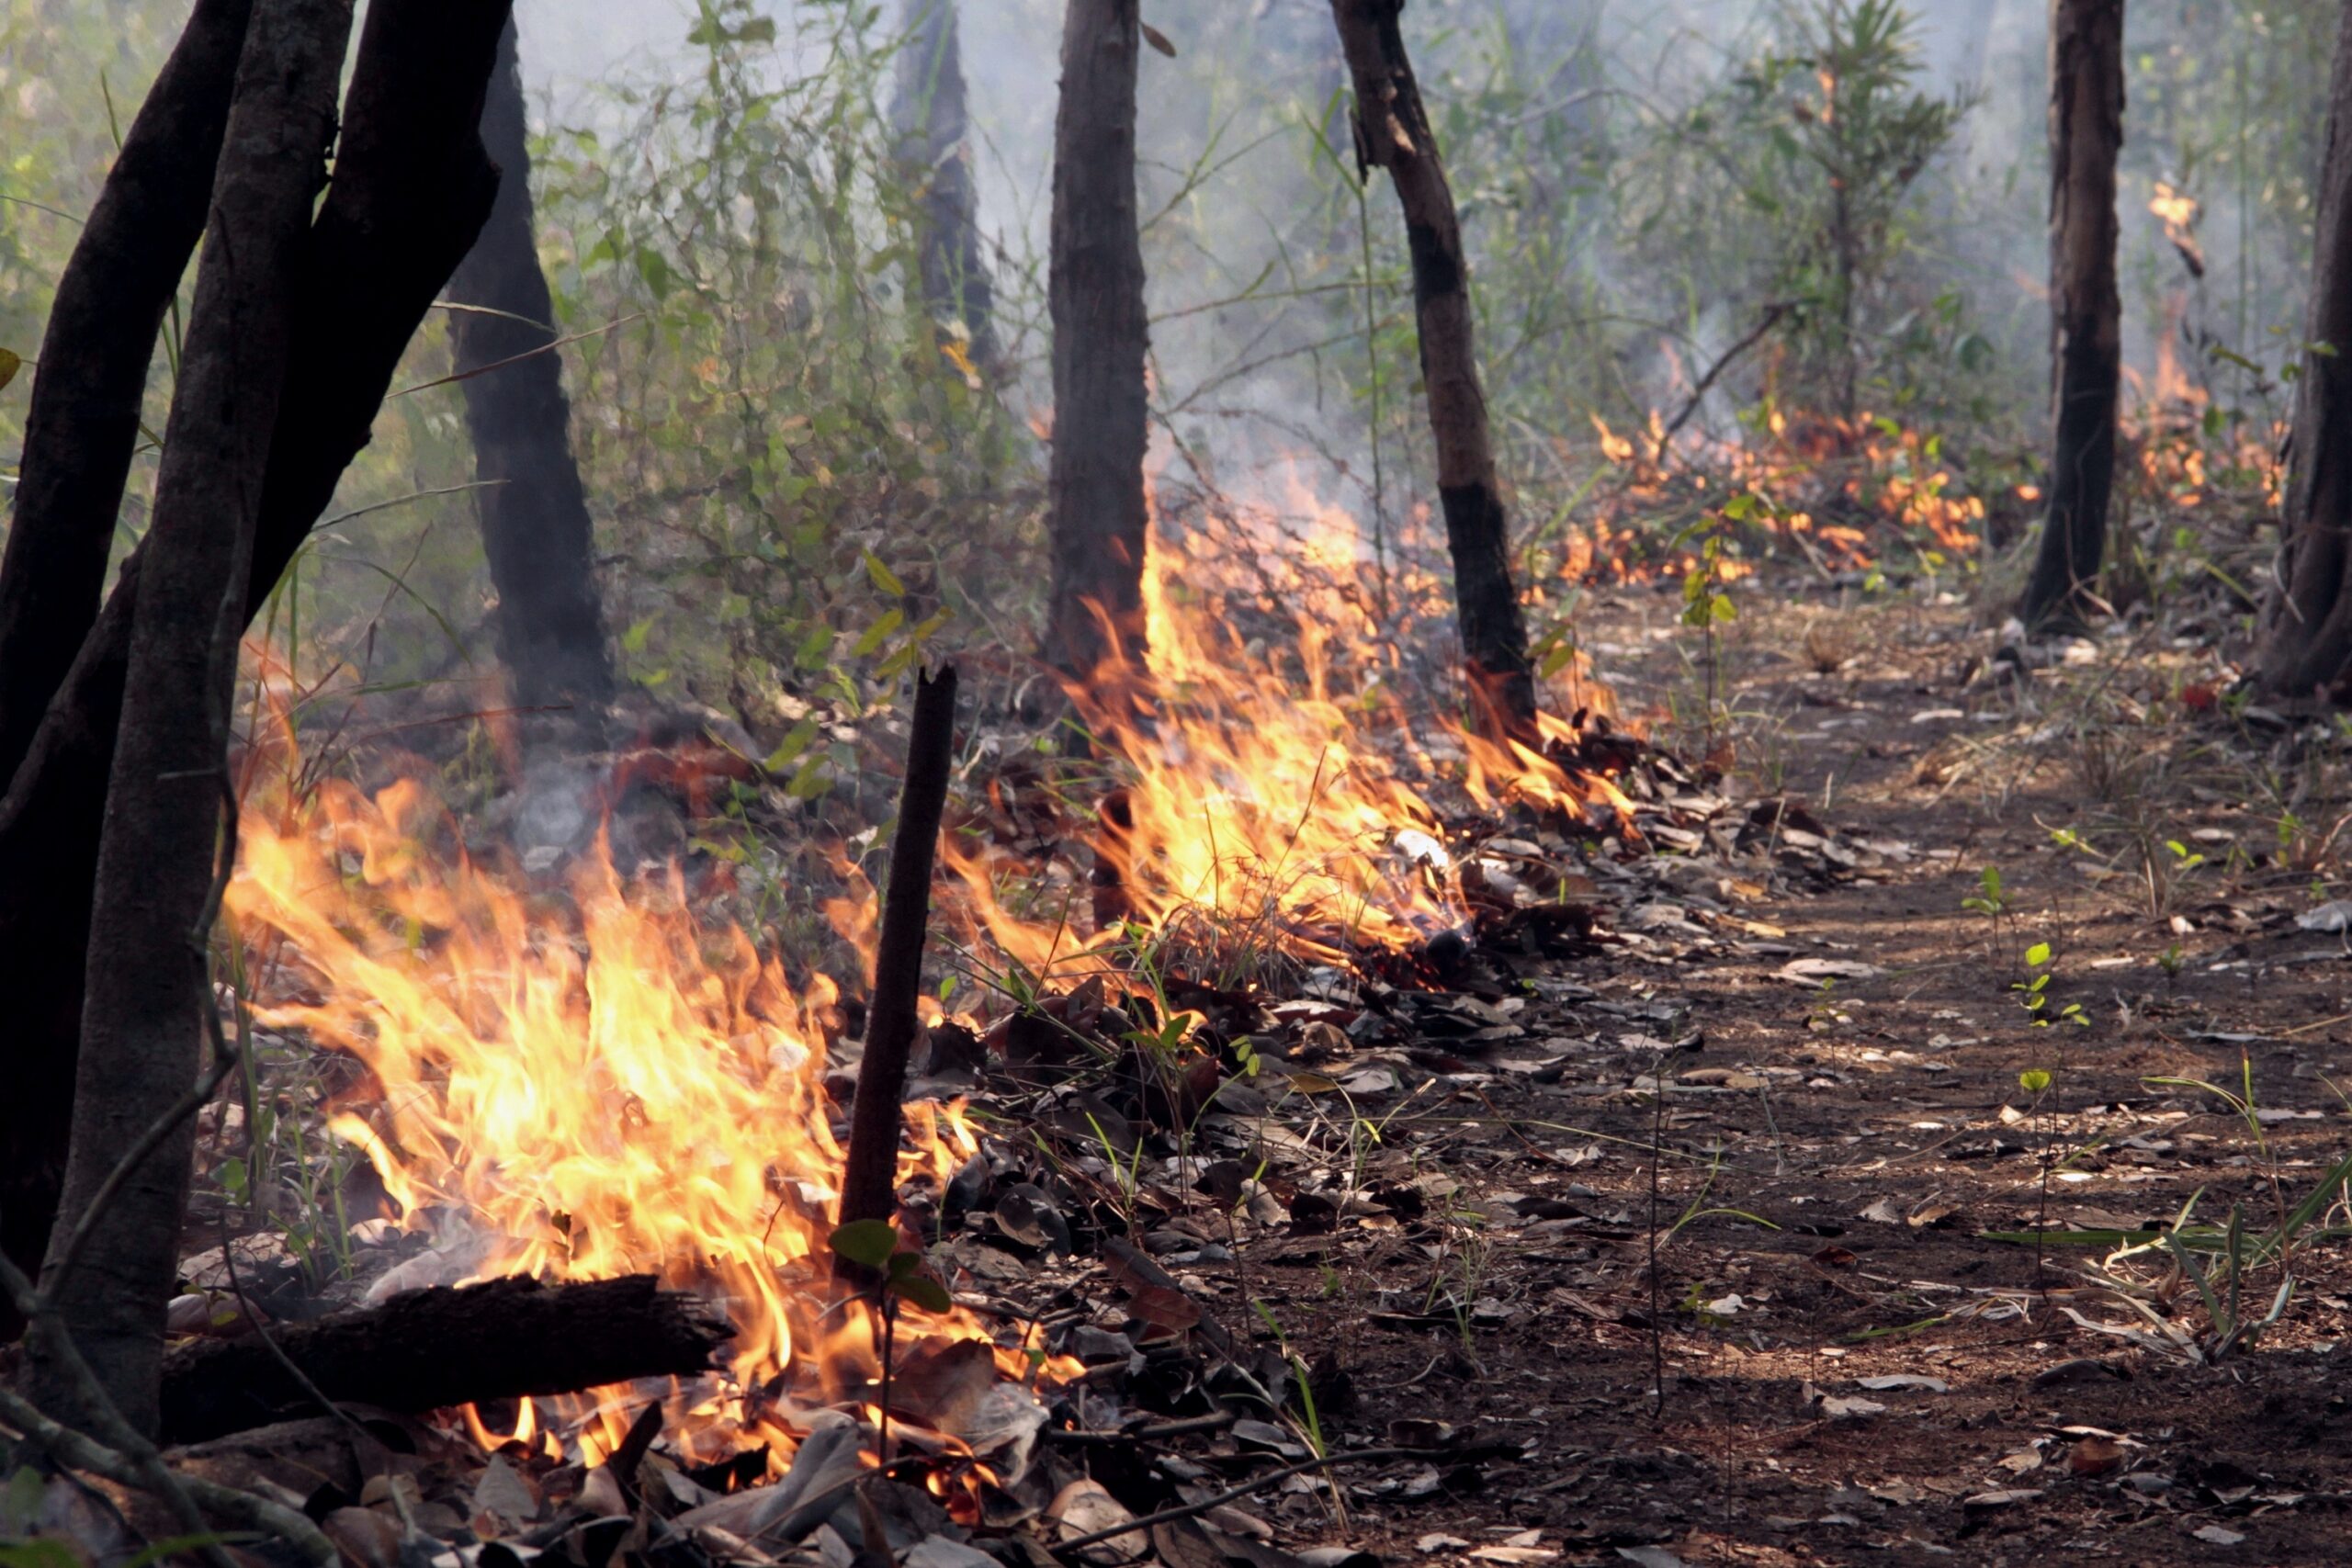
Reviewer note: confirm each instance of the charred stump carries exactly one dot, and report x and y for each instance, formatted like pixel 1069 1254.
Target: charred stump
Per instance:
pixel 870 1170
pixel 2306 641
pixel 143 1032
pixel 1096 515
pixel 409 190
pixel 2086 311
pixel 533 510
pixel 1392 131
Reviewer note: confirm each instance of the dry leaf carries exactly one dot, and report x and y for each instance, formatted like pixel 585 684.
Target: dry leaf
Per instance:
pixel 1158 40
pixel 2094 1456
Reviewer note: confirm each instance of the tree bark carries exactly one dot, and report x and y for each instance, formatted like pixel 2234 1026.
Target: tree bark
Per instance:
pixel 411 188
pixel 927 110
pixel 82 424
pixel 425 1349
pixel 1097 517
pixel 2086 311
pixel 870 1170
pixel 1392 131
pixel 535 526
pixel 2306 641
pixel 143 1032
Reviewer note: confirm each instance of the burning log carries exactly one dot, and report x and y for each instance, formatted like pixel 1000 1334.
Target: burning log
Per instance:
pixel 870 1173
pixel 425 1350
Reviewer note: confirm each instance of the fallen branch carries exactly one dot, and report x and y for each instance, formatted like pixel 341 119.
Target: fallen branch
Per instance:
pixel 425 1350
pixel 870 1172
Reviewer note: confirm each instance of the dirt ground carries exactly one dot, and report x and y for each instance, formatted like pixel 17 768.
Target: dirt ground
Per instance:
pixel 1848 1153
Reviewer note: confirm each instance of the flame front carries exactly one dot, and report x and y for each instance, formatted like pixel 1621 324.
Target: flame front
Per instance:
pixel 576 1081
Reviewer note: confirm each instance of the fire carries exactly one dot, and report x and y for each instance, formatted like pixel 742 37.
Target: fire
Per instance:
pixel 1278 774
pixel 578 1080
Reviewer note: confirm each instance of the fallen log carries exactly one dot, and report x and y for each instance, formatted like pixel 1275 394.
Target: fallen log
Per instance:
pixel 425 1349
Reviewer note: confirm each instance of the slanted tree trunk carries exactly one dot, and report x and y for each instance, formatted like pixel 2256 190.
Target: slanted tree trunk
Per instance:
pixel 82 421
pixel 1097 519
pixel 2306 642
pixel 928 114
pixel 410 191
pixel 535 526
pixel 2086 313
pixel 1393 132
pixel 143 1030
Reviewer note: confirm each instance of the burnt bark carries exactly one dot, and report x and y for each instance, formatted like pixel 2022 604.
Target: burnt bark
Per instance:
pixel 143 1032
pixel 411 188
pixel 82 424
pixel 870 1170
pixel 1392 131
pixel 2306 640
pixel 425 1349
pixel 928 114
pixel 2086 311
pixel 535 526
pixel 1097 517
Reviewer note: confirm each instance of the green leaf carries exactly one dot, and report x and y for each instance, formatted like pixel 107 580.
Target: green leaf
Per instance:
pixel 42 1552
pixel 2033 1081
pixel 924 1291
pixel 9 365
pixel 633 639
pixel 2037 954
pixel 654 267
pixel 884 577
pixel 878 633
pixel 867 1242
pixel 791 746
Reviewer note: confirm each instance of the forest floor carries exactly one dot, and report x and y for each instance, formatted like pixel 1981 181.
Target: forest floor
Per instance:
pixel 1465 1213
pixel 1856 1367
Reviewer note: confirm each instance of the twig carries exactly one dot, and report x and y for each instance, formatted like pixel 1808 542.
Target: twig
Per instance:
pixel 1152 1434
pixel 1259 1484
pixel 81 1452
pixel 1773 314
pixel 1657 1328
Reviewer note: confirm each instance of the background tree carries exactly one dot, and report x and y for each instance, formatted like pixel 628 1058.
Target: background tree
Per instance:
pixel 1096 517
pixel 1393 132
pixel 535 525
pixel 411 188
pixel 928 113
pixel 143 1032
pixel 2306 641
pixel 2086 311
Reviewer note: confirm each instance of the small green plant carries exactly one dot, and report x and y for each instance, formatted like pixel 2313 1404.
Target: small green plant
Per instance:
pixel 1992 901
pixel 2040 970
pixel 894 1276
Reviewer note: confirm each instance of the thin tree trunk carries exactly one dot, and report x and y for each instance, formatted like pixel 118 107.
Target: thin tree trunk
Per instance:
pixel 2086 311
pixel 927 111
pixel 535 526
pixel 1393 132
pixel 1097 518
pixel 411 189
pixel 143 1031
pixel 2306 643
pixel 82 421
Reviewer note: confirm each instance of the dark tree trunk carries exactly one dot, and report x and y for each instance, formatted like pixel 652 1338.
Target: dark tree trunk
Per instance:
pixel 535 525
pixel 425 1350
pixel 927 112
pixel 2306 644
pixel 411 189
pixel 1393 132
pixel 2086 313
pixel 1096 514
pixel 143 1031
pixel 83 422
